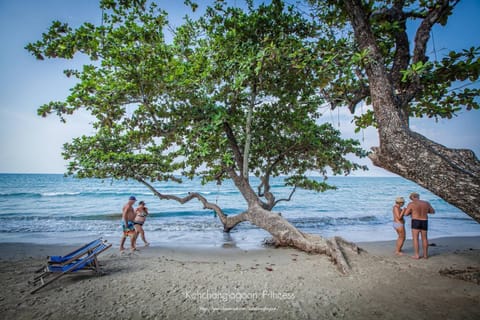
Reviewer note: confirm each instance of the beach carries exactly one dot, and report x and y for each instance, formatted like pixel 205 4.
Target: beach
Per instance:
pixel 167 282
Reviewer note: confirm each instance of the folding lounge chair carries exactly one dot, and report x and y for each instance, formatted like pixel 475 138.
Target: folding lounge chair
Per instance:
pixel 88 262
pixel 74 254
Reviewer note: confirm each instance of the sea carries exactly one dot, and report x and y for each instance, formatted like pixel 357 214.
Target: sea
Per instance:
pixel 54 209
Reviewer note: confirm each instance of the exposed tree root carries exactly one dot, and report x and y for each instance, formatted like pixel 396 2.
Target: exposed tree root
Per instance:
pixel 333 248
pixel 350 245
pixel 471 274
pixel 338 257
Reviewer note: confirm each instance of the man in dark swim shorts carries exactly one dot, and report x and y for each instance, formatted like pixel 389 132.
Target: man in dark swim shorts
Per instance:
pixel 420 224
pixel 128 214
pixel 419 210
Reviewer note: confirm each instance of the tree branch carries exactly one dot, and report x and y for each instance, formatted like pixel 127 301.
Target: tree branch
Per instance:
pixel 358 95
pixel 248 130
pixel 244 187
pixel 266 180
pixel 423 32
pixel 402 45
pixel 266 191
pixel 227 221
pixel 234 146
pixel 394 13
pixel 286 199
pixel 401 57
pixel 421 39
pixel 232 221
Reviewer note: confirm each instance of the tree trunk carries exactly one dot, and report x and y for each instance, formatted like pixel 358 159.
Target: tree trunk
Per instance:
pixel 286 235
pixel 453 175
pixel 248 132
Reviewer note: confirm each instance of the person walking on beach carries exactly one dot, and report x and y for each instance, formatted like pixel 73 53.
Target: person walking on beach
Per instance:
pixel 141 214
pixel 128 215
pixel 419 211
pixel 399 224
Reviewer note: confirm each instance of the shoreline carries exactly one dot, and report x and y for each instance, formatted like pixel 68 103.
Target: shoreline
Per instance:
pixel 233 283
pixel 381 247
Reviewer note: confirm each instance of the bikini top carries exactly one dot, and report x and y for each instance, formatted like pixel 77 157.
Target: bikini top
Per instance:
pixel 142 214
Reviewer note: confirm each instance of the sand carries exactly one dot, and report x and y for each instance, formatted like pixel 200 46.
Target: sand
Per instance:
pixel 231 283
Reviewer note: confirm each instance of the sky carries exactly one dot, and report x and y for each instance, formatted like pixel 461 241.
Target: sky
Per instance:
pixel 31 144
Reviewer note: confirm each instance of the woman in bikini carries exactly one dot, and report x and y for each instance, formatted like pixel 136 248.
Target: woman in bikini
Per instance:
pixel 141 214
pixel 399 224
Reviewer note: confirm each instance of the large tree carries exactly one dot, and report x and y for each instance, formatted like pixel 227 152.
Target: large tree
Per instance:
pixel 234 94
pixel 378 64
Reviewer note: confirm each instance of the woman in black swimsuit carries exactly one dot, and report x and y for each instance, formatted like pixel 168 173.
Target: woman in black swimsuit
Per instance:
pixel 140 217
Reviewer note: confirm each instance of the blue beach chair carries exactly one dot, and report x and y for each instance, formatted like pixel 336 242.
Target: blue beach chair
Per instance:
pixel 74 254
pixel 86 262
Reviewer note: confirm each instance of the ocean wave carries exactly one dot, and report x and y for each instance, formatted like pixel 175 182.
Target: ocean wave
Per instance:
pixel 185 227
pixel 315 222
pixel 57 226
pixel 201 222
pixel 226 192
pixel 204 223
pixel 20 194
pixel 40 194
pixel 94 194
pixel 59 194
pixel 62 226
pixel 455 216
pixel 189 213
pixel 103 216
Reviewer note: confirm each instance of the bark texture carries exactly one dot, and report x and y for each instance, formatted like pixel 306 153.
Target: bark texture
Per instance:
pixel 453 175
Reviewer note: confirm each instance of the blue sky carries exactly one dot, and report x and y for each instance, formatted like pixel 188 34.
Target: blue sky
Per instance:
pixel 31 144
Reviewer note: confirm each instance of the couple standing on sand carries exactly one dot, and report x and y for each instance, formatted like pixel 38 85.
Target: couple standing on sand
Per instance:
pixel 419 211
pixel 132 223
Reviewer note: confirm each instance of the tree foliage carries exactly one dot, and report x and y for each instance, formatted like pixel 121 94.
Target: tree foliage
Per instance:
pixel 235 93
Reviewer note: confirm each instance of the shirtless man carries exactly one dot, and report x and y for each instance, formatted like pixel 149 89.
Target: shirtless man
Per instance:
pixel 419 210
pixel 128 215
